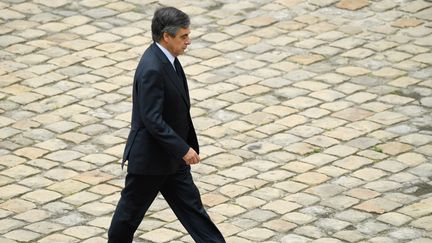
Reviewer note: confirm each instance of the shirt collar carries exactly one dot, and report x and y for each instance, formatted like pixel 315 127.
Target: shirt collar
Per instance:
pixel 167 53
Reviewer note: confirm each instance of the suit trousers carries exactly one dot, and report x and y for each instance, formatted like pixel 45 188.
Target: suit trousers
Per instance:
pixel 181 195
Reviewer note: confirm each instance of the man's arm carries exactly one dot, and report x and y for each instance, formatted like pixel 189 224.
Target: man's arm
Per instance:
pixel 150 93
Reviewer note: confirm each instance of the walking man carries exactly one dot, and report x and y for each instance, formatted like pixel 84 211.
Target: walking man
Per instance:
pixel 162 143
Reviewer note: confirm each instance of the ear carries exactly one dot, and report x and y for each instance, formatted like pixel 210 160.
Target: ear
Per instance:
pixel 166 36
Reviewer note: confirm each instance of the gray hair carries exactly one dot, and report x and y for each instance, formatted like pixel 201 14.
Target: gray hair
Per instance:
pixel 168 20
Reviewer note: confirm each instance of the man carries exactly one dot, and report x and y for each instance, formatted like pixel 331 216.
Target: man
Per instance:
pixel 162 143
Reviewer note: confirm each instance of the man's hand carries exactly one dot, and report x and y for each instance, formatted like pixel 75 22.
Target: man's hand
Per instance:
pixel 191 157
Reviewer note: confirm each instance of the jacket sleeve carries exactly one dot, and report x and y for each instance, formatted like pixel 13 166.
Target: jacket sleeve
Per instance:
pixel 150 90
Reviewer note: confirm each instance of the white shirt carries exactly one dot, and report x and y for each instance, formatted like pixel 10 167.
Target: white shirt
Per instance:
pixel 168 54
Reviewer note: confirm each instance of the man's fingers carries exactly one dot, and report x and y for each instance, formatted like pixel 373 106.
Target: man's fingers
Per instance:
pixel 194 159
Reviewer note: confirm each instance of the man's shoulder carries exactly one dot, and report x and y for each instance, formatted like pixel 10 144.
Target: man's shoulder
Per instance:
pixel 149 59
pixel 150 56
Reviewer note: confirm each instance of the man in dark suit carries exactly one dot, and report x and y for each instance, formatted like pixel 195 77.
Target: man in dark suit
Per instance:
pixel 162 143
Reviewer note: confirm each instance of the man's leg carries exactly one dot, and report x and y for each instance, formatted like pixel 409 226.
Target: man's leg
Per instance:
pixel 184 199
pixel 136 197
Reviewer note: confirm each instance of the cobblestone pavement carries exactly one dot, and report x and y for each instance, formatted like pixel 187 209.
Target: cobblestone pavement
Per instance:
pixel 314 118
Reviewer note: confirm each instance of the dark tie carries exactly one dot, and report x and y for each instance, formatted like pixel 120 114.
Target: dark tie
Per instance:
pixel 180 73
pixel 178 68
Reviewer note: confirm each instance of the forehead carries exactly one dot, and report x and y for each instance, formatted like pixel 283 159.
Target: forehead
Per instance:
pixel 183 31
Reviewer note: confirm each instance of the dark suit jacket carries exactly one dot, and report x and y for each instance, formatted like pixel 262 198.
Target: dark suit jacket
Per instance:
pixel 161 129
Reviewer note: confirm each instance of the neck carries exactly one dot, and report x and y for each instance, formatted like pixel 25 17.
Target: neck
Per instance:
pixel 165 45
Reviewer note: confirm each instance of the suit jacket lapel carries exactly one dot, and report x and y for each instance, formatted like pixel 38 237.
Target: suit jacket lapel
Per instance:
pixel 173 77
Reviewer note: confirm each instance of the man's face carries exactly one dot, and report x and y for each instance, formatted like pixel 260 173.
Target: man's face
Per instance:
pixel 177 44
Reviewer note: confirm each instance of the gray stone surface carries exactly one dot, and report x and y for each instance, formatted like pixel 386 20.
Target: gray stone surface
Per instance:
pixel 314 118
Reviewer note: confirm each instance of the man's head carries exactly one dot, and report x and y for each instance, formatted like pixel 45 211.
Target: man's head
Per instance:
pixel 170 28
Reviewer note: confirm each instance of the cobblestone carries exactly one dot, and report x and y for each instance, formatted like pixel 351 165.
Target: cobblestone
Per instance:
pixel 313 118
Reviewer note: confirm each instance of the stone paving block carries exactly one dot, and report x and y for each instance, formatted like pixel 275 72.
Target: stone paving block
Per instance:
pixel 281 206
pixel 327 95
pixel 267 193
pixel 93 177
pixel 332 171
pixel 315 113
pixel 22 235
pixel 298 167
pixel 352 162
pixel 233 190
pixel 339 91
pixel 340 150
pixel 228 210
pixel 257 234
pixel 279 225
pixel 349 235
pixel 307 59
pixel 310 231
pixel 16 205
pixel 394 148
pixel 301 148
pixel 382 135
pixel 305 131
pixel 237 239
pixel 311 178
pixel 259 215
pixel 68 187
pixel 212 199
pixel 411 159
pixel 30 152
pixel 8 132
pixel 369 174
pixel 416 139
pixel 391 166
pixel 224 160
pixel 383 185
pixel 81 198
pixel 343 133
pixel 394 218
pixel 331 225
pixel 336 106
pixel 295 238
pixel 359 53
pixel 12 190
pixel 44 227
pixel 361 97
pixel 33 215
pixel 403 177
pixel 239 172
pixel 422 223
pixel 95 239
pixel 328 123
pixel 275 175
pixel 371 154
pixel 20 171
pixel 377 205
pixel 41 196
pixel 353 216
pixel 245 107
pixel 292 121
pixel 42 163
pixel 325 190
pixel 96 208
pixel 371 227
pixel 60 174
pixel 82 232
pixel 340 202
pixel 405 234
pixel 352 114
pixel 352 5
